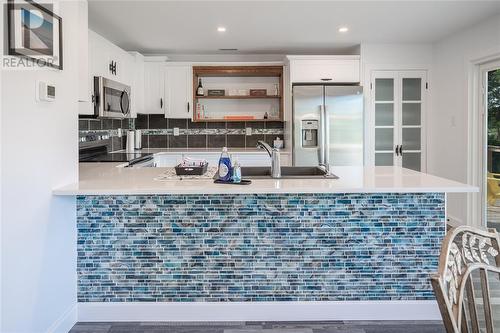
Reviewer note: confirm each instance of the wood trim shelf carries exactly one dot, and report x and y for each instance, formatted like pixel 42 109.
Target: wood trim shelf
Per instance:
pixel 257 71
pixel 237 97
pixel 238 71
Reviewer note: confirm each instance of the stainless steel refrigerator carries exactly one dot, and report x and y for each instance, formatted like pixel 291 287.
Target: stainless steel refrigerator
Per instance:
pixel 327 125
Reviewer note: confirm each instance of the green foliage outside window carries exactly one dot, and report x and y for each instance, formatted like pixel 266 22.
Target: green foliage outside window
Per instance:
pixel 494 108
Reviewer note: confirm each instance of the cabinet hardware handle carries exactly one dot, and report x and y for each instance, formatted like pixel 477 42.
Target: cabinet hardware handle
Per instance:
pixel 161 103
pixel 396 150
pixel 401 150
pixel 326 79
pixel 188 107
pixel 112 67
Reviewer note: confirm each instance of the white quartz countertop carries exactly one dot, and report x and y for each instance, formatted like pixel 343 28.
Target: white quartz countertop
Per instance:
pixel 107 179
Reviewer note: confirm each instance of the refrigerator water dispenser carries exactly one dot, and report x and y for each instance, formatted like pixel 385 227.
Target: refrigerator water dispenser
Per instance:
pixel 310 133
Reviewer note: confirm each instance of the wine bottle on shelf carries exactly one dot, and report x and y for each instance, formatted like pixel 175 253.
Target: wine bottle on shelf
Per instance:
pixel 200 91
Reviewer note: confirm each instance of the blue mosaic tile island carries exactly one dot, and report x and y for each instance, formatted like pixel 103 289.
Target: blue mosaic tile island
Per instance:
pixel 258 247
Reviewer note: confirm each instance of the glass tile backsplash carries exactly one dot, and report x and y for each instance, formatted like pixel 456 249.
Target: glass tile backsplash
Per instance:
pixel 158 132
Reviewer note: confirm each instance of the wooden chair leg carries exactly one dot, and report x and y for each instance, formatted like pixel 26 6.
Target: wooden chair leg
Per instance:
pixel 471 302
pixel 485 287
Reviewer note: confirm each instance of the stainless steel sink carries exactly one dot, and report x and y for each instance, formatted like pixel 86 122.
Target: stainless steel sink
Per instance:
pixel 287 172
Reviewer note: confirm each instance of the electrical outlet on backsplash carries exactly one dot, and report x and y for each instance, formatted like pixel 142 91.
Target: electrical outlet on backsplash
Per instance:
pixel 158 132
pixel 105 130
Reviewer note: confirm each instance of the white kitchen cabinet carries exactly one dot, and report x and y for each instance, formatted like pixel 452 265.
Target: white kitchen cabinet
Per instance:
pixel 211 157
pixel 324 69
pixel 178 91
pixel 154 87
pixel 137 96
pixel 167 160
pixel 253 159
pixel 398 104
pixel 101 54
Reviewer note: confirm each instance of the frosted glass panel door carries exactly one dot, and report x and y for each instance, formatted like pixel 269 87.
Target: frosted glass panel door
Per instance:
pixel 385 93
pixel 412 87
pixel 398 104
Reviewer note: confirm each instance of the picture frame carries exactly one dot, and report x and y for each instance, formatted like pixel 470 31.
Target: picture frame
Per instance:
pixel 34 33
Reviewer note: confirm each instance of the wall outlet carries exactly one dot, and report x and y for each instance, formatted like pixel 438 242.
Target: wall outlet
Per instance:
pixel 176 131
pixel 248 131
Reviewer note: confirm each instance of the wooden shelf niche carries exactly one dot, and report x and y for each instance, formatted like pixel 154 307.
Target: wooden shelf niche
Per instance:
pixel 238 78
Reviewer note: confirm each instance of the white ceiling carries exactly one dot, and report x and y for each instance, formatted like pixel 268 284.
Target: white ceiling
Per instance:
pixel 278 27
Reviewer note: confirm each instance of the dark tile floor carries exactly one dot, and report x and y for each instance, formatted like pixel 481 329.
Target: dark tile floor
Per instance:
pixel 264 327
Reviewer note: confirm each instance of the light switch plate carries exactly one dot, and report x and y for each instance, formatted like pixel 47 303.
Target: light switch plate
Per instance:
pixel 176 131
pixel 248 131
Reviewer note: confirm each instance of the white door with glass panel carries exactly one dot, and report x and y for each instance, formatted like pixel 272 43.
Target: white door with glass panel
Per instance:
pixel 398 109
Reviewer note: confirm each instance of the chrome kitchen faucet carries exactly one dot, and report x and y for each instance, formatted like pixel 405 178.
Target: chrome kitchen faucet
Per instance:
pixel 274 154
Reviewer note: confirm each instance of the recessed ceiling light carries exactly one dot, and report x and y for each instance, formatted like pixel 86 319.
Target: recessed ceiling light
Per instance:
pixel 343 29
pixel 221 29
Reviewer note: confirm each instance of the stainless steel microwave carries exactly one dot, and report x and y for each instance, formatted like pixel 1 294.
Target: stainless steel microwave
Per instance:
pixel 111 99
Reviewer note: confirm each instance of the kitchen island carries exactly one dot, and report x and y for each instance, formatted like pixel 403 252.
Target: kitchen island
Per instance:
pixel 311 248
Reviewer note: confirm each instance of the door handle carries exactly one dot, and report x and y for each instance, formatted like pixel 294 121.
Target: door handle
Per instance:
pixel 161 103
pixel 396 150
pixel 188 107
pixel 326 79
pixel 327 135
pixel 322 134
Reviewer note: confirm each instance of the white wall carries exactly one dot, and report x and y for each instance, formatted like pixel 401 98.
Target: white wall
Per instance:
pixel 396 54
pixel 38 231
pixel 448 121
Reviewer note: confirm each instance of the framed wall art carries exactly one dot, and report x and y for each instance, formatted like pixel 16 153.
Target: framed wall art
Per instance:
pixel 35 33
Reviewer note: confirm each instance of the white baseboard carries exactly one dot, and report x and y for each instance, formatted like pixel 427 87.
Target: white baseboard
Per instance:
pixel 455 221
pixel 66 321
pixel 258 311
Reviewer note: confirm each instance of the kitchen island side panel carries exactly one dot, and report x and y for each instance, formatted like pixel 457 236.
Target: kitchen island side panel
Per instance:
pixel 258 247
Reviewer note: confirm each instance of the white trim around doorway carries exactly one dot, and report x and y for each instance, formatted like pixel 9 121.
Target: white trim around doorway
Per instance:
pixel 476 167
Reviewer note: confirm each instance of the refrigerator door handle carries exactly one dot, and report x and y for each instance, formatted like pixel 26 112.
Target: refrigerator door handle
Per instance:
pixel 322 129
pixel 326 127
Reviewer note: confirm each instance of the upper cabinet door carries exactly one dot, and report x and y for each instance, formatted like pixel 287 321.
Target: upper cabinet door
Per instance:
pixel 178 91
pixel 335 70
pixel 137 95
pixel 398 115
pixel 412 120
pixel 154 100
pixel 109 61
pixel 386 138
pixel 99 55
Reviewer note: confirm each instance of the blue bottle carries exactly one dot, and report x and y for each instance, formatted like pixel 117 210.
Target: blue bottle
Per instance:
pixel 224 171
